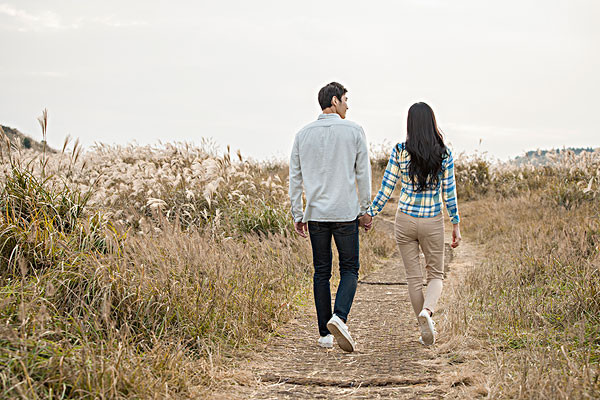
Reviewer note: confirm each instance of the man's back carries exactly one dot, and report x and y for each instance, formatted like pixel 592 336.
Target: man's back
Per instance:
pixel 330 157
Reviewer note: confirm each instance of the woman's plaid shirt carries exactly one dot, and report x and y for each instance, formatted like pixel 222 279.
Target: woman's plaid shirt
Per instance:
pixel 425 204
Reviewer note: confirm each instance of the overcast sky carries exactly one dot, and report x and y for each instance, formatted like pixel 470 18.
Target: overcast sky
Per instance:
pixel 516 75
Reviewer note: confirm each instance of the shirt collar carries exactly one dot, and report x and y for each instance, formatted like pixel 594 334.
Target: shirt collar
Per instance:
pixel 329 116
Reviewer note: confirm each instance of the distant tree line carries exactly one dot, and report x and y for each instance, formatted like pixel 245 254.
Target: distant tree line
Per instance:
pixel 539 157
pixel 17 137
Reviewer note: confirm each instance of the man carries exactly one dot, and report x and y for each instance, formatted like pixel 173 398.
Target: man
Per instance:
pixel 330 157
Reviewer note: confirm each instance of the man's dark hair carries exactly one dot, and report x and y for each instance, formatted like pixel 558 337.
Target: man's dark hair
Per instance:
pixel 328 91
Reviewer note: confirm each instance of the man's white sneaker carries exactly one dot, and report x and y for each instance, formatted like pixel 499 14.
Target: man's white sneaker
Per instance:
pixel 339 329
pixel 326 341
pixel 427 328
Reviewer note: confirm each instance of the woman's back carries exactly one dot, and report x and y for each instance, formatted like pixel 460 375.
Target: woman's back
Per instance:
pixel 425 203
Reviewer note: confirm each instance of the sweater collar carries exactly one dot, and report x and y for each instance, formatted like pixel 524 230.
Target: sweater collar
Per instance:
pixel 329 116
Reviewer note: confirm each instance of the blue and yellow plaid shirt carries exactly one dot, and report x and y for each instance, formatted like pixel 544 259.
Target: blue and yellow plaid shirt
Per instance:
pixel 425 204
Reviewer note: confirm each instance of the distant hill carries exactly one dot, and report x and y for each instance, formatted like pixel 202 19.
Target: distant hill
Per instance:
pixel 25 141
pixel 540 157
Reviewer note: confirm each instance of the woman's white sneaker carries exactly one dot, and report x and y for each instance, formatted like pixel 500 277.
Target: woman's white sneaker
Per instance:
pixel 326 341
pixel 339 329
pixel 427 328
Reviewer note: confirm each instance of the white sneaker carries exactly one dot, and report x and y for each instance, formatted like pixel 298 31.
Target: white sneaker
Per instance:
pixel 339 329
pixel 427 328
pixel 326 341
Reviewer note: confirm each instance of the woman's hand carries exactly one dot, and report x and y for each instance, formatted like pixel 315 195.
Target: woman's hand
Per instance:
pixel 456 238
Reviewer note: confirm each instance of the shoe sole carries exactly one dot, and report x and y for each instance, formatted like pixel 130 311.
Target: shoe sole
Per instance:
pixel 345 342
pixel 327 346
pixel 427 335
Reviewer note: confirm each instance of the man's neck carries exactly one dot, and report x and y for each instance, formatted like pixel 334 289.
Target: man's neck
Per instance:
pixel 329 110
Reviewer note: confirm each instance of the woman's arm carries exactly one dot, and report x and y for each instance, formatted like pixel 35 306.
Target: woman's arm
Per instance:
pixel 390 178
pixel 449 189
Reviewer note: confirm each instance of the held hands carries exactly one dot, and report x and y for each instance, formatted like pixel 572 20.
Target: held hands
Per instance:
pixel 301 228
pixel 456 238
pixel 365 221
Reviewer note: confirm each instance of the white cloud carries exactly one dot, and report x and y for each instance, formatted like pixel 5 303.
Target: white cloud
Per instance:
pixel 49 74
pixel 116 23
pixel 27 21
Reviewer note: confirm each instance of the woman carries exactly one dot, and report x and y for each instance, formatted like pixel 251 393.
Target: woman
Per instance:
pixel 425 168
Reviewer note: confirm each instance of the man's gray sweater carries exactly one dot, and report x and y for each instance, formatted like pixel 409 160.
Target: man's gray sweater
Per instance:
pixel 330 158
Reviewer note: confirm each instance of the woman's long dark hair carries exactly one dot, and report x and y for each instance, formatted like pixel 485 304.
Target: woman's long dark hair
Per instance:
pixel 426 147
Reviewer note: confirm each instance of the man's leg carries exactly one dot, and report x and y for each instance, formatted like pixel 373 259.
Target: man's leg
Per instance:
pixel 320 240
pixel 345 235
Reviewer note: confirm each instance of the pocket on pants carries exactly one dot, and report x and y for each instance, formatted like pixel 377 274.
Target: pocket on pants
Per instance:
pixel 404 228
pixel 315 227
pixel 347 228
pixel 434 225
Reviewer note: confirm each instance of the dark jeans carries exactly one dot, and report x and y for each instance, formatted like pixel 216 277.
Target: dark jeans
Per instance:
pixel 345 235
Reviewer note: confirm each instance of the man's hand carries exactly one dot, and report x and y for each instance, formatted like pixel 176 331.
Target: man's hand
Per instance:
pixel 456 238
pixel 301 228
pixel 365 221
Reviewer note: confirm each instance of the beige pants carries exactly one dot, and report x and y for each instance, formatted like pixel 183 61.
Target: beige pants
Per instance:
pixel 412 232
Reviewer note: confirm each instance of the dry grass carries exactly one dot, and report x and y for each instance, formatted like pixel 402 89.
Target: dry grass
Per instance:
pixel 525 322
pixel 530 309
pixel 143 272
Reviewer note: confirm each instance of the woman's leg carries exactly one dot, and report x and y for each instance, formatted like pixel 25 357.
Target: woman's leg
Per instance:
pixel 431 239
pixel 406 238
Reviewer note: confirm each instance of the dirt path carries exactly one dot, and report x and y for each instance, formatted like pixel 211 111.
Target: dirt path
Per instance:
pixel 389 361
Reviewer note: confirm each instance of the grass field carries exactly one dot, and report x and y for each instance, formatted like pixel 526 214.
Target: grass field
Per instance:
pixel 134 272
pixel 533 302
pixel 144 271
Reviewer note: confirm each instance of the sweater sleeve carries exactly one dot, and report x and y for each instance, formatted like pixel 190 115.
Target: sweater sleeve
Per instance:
pixel 362 169
pixel 295 189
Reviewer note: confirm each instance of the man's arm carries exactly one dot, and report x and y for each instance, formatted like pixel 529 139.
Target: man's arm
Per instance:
pixel 295 189
pixel 362 168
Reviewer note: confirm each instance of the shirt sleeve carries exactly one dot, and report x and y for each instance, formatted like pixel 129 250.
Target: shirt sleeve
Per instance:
pixel 295 189
pixel 449 189
pixel 362 170
pixel 390 178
